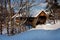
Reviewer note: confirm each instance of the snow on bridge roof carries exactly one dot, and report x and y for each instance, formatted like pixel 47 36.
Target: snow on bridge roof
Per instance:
pixel 36 14
pixel 31 14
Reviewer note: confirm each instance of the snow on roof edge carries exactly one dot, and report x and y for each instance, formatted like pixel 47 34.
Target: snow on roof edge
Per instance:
pixel 39 13
pixel 34 15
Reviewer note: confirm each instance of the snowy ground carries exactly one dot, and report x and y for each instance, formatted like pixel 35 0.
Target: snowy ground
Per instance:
pixel 41 32
pixel 48 26
pixel 34 35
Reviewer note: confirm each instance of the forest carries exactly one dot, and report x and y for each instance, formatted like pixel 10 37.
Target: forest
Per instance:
pixel 9 9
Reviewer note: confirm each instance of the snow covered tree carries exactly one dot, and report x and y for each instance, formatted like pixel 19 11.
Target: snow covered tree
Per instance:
pixel 2 13
pixel 8 8
pixel 52 7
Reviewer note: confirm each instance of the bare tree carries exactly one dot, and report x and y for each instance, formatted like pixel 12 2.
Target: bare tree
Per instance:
pixel 9 27
pixel 53 6
pixel 24 7
pixel 2 13
pixel 24 10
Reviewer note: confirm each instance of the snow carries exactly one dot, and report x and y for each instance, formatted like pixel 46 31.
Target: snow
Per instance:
pixel 37 35
pixel 17 15
pixel 37 12
pixel 4 31
pixel 48 26
pixel 41 32
pixel 34 35
pixel 33 14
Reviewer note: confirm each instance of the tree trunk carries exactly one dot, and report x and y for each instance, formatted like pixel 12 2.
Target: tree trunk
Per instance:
pixel 10 15
pixel 1 28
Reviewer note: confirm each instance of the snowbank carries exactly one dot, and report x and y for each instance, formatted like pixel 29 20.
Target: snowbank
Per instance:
pixel 35 35
pixel 48 26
